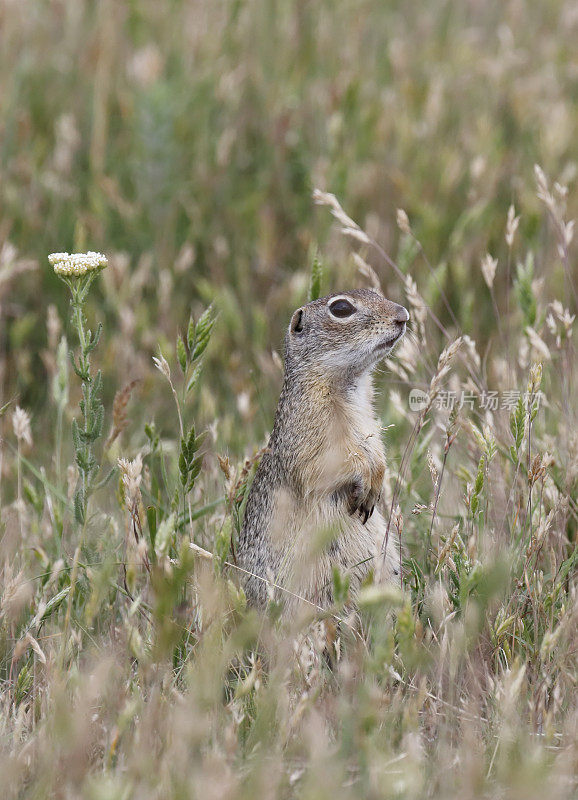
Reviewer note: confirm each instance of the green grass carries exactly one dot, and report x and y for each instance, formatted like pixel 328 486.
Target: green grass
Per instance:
pixel 185 140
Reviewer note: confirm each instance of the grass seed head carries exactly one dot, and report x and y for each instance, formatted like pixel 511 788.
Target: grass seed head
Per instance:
pixel 489 265
pixel 21 426
pixel 512 223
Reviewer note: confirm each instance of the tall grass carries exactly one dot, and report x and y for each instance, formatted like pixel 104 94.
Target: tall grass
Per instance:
pixel 186 143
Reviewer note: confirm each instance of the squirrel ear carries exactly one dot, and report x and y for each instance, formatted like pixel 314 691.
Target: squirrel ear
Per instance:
pixel 297 321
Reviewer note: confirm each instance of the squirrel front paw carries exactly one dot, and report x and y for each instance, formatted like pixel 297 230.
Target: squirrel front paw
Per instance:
pixel 361 499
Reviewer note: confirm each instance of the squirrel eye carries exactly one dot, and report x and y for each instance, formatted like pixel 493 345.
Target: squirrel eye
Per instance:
pixel 341 308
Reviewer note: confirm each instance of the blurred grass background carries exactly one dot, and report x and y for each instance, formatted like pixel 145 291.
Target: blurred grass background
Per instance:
pixel 184 140
pixel 189 136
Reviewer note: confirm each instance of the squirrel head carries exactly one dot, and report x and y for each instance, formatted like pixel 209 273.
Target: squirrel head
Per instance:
pixel 343 335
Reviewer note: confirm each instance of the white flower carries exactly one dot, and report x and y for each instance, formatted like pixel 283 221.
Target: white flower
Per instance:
pixel 77 264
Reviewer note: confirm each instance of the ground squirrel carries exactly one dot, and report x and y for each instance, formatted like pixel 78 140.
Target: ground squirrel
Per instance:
pixel 312 502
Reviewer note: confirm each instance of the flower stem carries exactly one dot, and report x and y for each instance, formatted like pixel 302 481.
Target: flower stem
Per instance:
pixel 92 410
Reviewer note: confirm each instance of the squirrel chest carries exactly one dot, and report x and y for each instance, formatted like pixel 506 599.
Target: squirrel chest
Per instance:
pixel 323 514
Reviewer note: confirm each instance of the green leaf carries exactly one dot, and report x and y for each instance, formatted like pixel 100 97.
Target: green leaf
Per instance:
pixel 191 334
pixel 205 323
pixel 380 595
pixel 184 519
pixel 82 374
pixel 525 291
pixel 194 377
pixel 479 484
pixel 94 340
pixel 35 500
pixel 340 586
pixel 513 426
pixel 183 468
pixel 567 567
pixel 79 511
pixel 199 440
pixel 165 535
pixel 222 544
pixel 181 353
pixel 152 523
pixel 40 475
pixel 152 435
pixel 86 461
pixel 191 441
pixel 196 465
pixel 76 435
pixel 98 421
pixel 5 407
pixel 202 333
pixel 517 422
pixel 316 279
pixel 24 683
pixel 54 604
pixel 96 386
pixel 408 250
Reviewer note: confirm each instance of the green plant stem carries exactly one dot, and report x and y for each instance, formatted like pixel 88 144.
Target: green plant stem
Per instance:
pixel 435 508
pixel 58 443
pixel 19 488
pixel 79 290
pixel 186 497
pixel 78 319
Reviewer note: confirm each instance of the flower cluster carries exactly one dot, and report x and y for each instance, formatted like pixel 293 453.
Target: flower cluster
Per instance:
pixel 77 264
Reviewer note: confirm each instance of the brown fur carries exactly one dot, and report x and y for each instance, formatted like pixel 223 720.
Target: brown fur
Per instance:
pixel 312 505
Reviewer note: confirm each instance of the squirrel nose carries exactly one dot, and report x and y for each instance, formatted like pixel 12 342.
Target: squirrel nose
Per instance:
pixel 400 314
